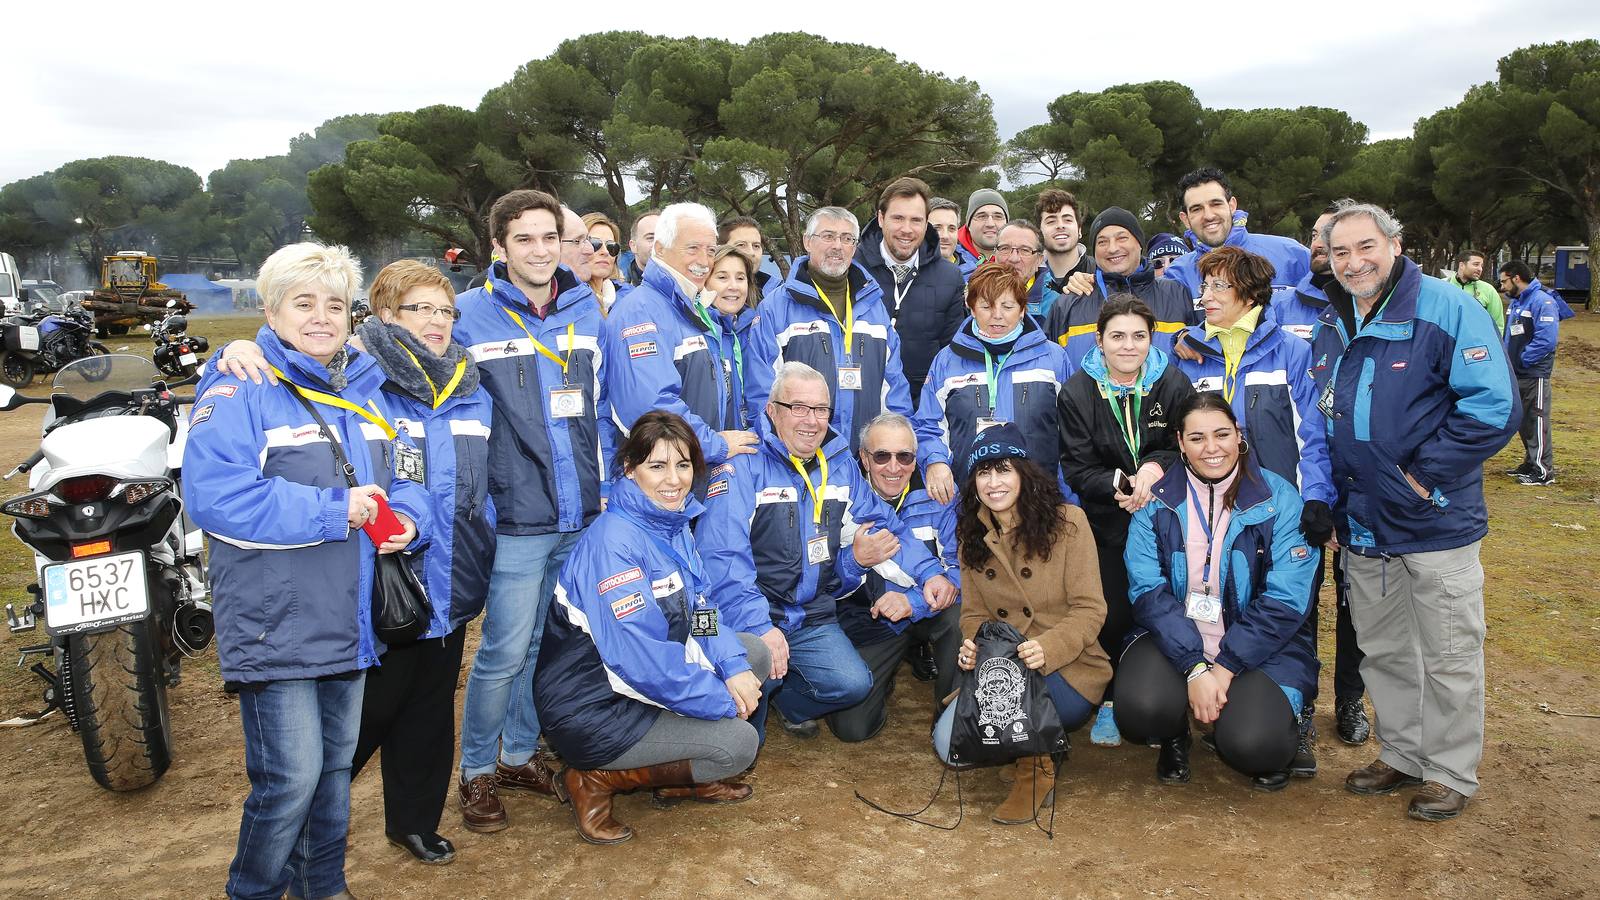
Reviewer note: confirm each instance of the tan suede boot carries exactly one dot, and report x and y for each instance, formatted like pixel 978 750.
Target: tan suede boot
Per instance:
pixel 1033 788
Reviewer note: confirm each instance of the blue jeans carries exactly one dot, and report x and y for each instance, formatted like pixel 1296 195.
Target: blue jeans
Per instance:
pixel 497 717
pixel 299 737
pixel 826 674
pixel 1071 707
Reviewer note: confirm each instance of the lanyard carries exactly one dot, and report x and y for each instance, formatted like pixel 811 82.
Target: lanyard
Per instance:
pixel 715 328
pixel 848 322
pixel 438 398
pixel 572 328
pixel 1129 424
pixel 371 415
pixel 1230 370
pixel 816 496
pixel 991 371
pixel 691 565
pixel 902 498
pixel 1206 526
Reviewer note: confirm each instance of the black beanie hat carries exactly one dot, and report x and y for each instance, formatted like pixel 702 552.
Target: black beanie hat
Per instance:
pixel 1116 215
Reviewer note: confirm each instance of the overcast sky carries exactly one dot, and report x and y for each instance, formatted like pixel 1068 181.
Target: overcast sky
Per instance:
pixel 200 84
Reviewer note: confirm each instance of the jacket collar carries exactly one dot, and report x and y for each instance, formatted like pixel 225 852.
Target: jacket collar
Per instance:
pixel 1265 326
pixel 966 345
pixel 1094 365
pixel 834 447
pixel 362 376
pixel 1394 320
pixel 660 279
pixel 497 284
pixel 1309 293
pixel 863 287
pixel 1112 284
pixel 389 343
pixel 870 251
pixel 1249 505
pixel 629 499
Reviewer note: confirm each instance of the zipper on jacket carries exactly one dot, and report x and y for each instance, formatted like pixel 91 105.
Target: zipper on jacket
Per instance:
pixel 521 381
pixel 1254 396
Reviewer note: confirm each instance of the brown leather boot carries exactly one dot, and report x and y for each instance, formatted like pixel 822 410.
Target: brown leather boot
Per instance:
pixel 533 776
pixel 1378 777
pixel 726 791
pixel 1033 787
pixel 1435 803
pixel 481 810
pixel 590 791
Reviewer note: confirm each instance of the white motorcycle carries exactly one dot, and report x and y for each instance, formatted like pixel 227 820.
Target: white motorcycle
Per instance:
pixel 121 580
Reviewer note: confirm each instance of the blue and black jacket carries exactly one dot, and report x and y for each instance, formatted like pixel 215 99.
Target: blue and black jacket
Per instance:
pixel 795 326
pixel 1422 388
pixel 1533 325
pixel 291 581
pixel 934 524
pixel 1298 309
pixel 1289 257
pixel 619 644
pixel 759 519
pixel 1072 321
pixel 1275 398
pixel 545 471
pixel 1265 576
pixel 665 356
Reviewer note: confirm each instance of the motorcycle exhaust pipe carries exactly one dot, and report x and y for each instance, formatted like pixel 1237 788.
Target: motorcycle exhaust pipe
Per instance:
pixel 193 626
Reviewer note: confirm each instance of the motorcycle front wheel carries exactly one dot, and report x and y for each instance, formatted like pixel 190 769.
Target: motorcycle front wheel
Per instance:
pixel 96 371
pixel 15 369
pixel 121 700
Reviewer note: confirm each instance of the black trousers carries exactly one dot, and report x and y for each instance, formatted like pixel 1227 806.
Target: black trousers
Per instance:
pixel 864 720
pixel 409 712
pixel 1347 655
pixel 1257 732
pixel 1119 611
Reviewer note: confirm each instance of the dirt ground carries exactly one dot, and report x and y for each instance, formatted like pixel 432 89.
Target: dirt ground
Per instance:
pixel 1532 831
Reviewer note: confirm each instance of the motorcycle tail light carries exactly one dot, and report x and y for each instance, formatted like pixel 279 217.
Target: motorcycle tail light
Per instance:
pixel 32 506
pixel 85 489
pixel 93 548
pixel 139 491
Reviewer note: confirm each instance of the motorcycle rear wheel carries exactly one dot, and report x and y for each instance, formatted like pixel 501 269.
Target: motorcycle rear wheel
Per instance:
pixel 121 701
pixel 16 370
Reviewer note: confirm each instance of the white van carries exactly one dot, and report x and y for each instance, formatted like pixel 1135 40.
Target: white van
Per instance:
pixel 10 284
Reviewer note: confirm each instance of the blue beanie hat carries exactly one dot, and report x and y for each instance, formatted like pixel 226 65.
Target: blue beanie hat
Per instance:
pixel 1165 244
pixel 999 441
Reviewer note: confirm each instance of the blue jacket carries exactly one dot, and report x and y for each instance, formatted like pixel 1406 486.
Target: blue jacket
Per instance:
pixel 1072 322
pixel 735 341
pixel 965 260
pixel 795 326
pixel 1297 309
pixel 664 356
pixel 1265 575
pixel 931 306
pixel 1425 389
pixel 932 523
pixel 544 472
pixel 454 440
pixel 1288 256
pixel 1533 324
pixel 957 395
pixel 1276 399
pixel 758 520
pixel 292 582
pixel 619 644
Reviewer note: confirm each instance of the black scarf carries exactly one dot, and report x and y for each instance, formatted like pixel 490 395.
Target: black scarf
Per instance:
pixel 388 343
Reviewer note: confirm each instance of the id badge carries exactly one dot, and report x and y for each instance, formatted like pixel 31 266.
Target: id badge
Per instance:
pixel 1516 328
pixel 705 623
pixel 817 551
pixel 1325 402
pixel 850 378
pixel 987 423
pixel 566 403
pixel 1202 607
pixel 408 463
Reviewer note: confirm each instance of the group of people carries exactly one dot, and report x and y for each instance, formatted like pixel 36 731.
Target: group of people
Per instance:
pixel 686 494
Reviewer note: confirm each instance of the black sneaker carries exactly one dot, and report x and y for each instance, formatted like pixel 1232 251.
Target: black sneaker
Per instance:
pixel 1536 480
pixel 1351 717
pixel 805 730
pixel 1519 471
pixel 1276 781
pixel 1304 764
pixel 923 668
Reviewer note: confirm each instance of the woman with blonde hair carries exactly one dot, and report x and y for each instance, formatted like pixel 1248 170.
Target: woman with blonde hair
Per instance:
pixel 605 279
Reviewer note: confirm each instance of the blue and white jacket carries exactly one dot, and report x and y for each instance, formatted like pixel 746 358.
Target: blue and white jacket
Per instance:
pixel 1276 399
pixel 545 471
pixel 1533 324
pixel 759 520
pixel 795 326
pixel 735 341
pixel 1423 389
pixel 664 356
pixel 291 581
pixel 1289 257
pixel 1073 321
pixel 619 643
pixel 934 524
pixel 1265 574
pixel 1297 309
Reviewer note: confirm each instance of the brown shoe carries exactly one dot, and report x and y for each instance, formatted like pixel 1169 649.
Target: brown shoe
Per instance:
pixel 1033 787
pixel 481 810
pixel 533 776
pixel 729 791
pixel 1435 803
pixel 1378 778
pixel 590 792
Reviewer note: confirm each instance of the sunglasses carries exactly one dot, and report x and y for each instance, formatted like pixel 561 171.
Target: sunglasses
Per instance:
pixel 882 457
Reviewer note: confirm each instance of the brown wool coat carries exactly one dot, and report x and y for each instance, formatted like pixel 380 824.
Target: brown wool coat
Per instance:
pixel 1057 602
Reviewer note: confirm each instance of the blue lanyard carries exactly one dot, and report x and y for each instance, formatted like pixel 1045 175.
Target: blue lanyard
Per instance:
pixel 1206 526
pixel 695 569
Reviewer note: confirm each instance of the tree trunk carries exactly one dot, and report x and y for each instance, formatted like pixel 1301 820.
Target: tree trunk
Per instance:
pixel 1594 246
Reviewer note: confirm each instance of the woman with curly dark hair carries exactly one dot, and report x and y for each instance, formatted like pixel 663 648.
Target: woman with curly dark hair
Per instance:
pixel 1028 558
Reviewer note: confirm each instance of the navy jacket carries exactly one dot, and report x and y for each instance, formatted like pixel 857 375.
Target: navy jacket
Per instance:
pixel 932 523
pixel 1297 309
pixel 930 308
pixel 1073 318
pixel 292 583
pixel 1423 389
pixel 1533 325
pixel 545 471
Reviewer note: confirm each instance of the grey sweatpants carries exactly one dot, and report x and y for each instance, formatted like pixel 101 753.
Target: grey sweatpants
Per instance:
pixel 1419 620
pixel 1539 455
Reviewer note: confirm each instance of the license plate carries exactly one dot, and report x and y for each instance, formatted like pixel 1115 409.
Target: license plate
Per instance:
pixel 186 358
pixel 87 594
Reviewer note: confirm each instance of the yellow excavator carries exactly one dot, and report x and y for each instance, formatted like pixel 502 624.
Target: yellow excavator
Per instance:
pixel 130 295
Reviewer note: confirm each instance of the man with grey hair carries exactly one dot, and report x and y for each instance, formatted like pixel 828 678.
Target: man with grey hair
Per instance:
pixel 830 314
pixel 888 618
pixel 1418 395
pixel 663 348
pixel 790 529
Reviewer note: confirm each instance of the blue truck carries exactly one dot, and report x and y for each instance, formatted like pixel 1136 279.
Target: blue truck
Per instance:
pixel 1572 274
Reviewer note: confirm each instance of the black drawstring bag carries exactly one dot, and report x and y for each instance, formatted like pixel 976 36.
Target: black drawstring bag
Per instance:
pixel 1003 710
pixel 400 608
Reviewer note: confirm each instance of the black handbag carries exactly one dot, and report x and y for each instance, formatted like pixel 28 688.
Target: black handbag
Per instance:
pixel 400 608
pixel 1003 709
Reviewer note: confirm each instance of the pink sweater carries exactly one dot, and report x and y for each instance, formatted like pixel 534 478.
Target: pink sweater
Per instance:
pixel 1195 550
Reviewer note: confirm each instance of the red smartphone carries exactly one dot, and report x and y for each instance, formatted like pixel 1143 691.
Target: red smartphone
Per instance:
pixel 384 525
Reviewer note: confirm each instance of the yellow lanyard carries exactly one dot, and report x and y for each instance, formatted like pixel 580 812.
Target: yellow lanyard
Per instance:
pixel 571 329
pixel 371 415
pixel 1230 372
pixel 438 398
pixel 848 321
pixel 816 497
pixel 902 498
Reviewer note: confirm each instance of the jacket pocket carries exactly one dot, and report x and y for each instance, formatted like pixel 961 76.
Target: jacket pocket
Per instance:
pixel 1363 400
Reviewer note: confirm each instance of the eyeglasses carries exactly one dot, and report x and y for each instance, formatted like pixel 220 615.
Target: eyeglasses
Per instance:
pixel 1215 287
pixel 836 237
pixel 428 310
pixel 806 410
pixel 882 457
pixel 1008 250
pixel 578 242
pixel 611 247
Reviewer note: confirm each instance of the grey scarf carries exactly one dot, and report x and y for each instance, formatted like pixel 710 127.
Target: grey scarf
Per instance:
pixel 388 343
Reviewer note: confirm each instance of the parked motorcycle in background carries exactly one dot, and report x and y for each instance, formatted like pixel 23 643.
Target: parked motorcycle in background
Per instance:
pixel 121 584
pixel 41 342
pixel 177 351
